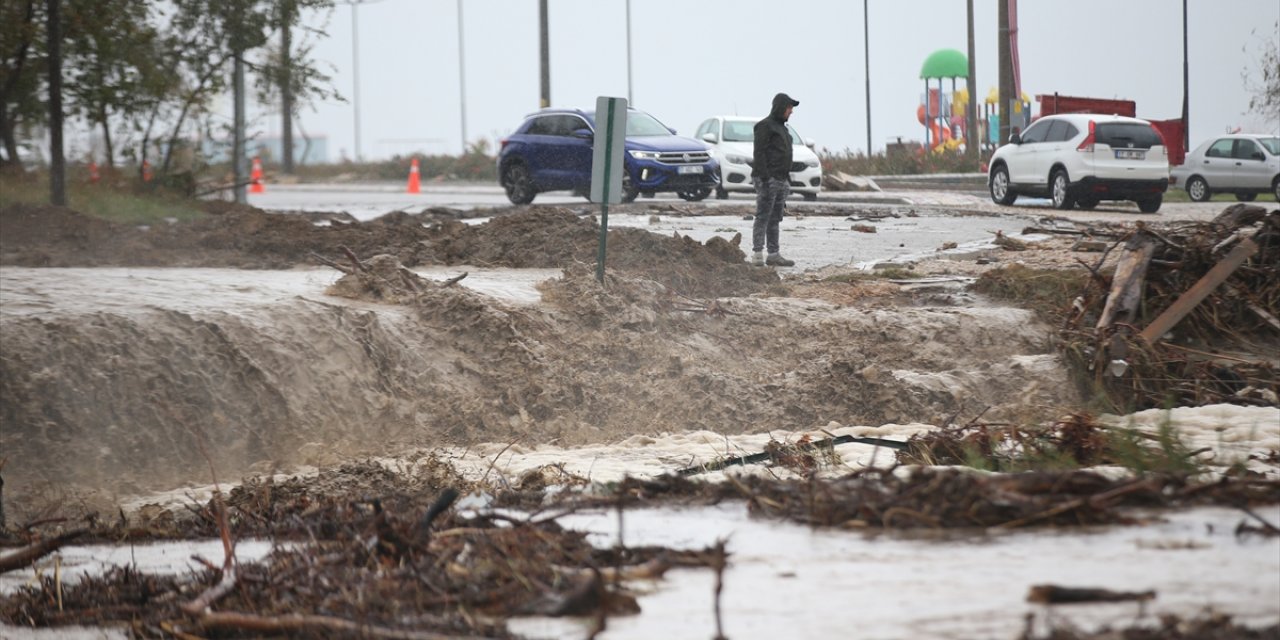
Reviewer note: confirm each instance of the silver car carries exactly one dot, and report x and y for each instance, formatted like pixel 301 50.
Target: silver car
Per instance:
pixel 1243 164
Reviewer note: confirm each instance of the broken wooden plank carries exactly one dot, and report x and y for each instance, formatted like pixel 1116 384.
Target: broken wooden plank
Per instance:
pixel 1054 594
pixel 1129 280
pixel 1199 291
pixel 27 556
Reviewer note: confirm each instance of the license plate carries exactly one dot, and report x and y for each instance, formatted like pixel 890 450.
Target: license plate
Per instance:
pixel 690 169
pixel 1130 154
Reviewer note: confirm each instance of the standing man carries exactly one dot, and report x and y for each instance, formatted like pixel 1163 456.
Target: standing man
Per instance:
pixel 771 175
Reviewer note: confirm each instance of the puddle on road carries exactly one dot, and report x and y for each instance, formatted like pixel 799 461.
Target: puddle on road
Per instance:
pixel 820 241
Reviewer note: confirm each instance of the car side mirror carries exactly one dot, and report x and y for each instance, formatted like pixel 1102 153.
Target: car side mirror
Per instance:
pixel 709 137
pixel 673 131
pixel 1257 155
pixel 583 133
pixel 1015 138
pixel 809 142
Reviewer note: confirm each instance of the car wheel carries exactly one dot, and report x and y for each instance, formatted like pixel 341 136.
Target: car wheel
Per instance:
pixel 1001 191
pixel 629 191
pixel 1198 189
pixel 810 197
pixel 694 195
pixel 1150 205
pixel 1087 203
pixel 1275 188
pixel 519 185
pixel 1059 189
pixel 1246 197
pixel 721 193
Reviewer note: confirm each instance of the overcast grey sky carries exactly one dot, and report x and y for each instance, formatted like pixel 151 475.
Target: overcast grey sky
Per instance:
pixel 692 59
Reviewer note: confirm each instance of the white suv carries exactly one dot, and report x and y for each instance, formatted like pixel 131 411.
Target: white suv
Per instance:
pixel 732 139
pixel 1081 159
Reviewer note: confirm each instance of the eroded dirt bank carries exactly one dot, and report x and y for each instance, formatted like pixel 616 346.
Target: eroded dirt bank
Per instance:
pixel 129 401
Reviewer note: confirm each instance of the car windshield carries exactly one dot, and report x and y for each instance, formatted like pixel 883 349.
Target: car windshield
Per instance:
pixel 1272 145
pixel 739 131
pixel 744 131
pixel 640 123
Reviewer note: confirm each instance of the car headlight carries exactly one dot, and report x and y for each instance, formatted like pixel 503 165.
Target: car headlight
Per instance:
pixel 734 159
pixel 812 164
pixel 644 155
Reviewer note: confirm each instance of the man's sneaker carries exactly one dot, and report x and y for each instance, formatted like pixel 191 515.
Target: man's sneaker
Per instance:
pixel 757 258
pixel 776 260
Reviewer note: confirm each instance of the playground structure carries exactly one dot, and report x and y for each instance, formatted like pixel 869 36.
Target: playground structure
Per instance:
pixel 945 115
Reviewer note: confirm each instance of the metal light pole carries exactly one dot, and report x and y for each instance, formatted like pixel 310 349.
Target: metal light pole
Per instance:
pixel 355 68
pixel 866 44
pixel 544 52
pixel 630 97
pixel 462 80
pixel 355 71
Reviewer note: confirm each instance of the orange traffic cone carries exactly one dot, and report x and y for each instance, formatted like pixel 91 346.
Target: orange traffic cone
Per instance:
pixel 415 185
pixel 94 177
pixel 255 177
pixel 146 171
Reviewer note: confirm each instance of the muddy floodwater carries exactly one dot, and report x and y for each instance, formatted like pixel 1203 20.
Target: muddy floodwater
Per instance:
pixel 788 581
pixel 486 346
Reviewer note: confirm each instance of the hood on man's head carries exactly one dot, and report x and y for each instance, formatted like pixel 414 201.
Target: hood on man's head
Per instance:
pixel 781 102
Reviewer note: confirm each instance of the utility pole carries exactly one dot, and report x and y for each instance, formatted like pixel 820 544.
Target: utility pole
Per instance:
pixel 1186 85
pixel 462 80
pixel 544 53
pixel 630 97
pixel 57 163
pixel 971 142
pixel 1005 54
pixel 286 87
pixel 866 55
pixel 355 71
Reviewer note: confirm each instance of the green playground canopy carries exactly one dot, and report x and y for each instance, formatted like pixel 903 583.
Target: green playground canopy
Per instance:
pixel 945 63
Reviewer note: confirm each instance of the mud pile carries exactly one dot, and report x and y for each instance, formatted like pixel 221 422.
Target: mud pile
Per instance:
pixel 244 237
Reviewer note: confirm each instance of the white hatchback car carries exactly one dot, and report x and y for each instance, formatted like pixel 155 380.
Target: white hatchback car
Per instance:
pixel 1243 164
pixel 732 139
pixel 1080 159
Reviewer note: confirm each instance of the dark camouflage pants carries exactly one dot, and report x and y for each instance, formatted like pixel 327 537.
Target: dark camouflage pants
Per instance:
pixel 771 199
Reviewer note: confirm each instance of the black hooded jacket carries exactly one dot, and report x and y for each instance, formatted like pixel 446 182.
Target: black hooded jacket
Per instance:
pixel 772 151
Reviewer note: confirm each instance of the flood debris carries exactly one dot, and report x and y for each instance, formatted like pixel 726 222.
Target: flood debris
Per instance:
pixel 1055 594
pixel 28 555
pixel 1187 316
pixel 1208 625
pixel 802 455
pixel 363 552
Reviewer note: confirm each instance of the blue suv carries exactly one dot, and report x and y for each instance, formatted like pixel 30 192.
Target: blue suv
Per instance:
pixel 551 151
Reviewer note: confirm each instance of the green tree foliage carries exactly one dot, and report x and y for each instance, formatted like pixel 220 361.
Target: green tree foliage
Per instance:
pixel 115 71
pixel 145 74
pixel 21 65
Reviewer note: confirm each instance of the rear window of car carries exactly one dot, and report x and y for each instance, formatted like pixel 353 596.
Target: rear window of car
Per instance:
pixel 1127 134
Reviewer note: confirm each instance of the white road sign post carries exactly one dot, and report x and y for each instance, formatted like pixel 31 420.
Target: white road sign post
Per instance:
pixel 607 166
